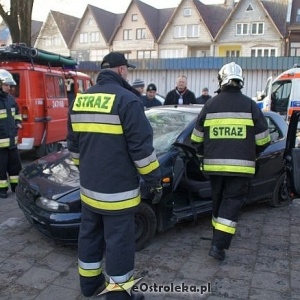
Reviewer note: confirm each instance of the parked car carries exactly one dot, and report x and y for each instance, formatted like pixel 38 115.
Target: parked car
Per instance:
pixel 48 190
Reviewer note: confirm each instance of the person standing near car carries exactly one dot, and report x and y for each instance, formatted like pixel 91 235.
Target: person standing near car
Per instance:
pixel 181 94
pixel 204 96
pixel 111 141
pixel 230 132
pixel 149 100
pixel 10 122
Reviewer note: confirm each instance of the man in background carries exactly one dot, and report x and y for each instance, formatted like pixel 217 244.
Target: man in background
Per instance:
pixel 149 99
pixel 204 97
pixel 181 94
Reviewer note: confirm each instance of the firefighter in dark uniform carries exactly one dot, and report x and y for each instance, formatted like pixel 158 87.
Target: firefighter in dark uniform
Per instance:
pixel 110 139
pixel 10 121
pixel 230 132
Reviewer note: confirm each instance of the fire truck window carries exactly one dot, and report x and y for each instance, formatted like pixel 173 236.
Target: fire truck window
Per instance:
pixel 15 89
pixel 55 86
pixel 60 82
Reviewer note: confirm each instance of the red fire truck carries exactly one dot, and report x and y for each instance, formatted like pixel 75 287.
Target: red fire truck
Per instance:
pixel 46 83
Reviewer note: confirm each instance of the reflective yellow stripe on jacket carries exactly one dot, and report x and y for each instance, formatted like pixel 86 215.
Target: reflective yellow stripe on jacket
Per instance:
pixel 113 202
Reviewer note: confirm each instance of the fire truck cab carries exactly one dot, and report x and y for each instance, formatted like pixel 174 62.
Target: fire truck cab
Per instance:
pixel 46 83
pixel 282 94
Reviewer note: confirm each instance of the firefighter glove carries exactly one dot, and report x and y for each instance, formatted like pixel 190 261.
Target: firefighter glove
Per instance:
pixel 157 192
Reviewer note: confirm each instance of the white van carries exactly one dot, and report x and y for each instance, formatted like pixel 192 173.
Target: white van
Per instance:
pixel 282 95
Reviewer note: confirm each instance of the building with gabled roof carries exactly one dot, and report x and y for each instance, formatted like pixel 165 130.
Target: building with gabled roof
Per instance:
pixel 253 29
pixel 140 29
pixel 93 34
pixel 191 30
pixel 56 33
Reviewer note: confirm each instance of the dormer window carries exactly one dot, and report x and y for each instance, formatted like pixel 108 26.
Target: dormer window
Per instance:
pixel 134 17
pixel 187 12
pixel 249 8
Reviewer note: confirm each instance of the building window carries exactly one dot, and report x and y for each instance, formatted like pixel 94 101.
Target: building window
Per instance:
pixel 263 52
pixel 187 12
pixel 295 49
pixel 83 38
pixel 95 37
pixel 242 28
pixel 298 16
pixel 140 33
pixel 127 34
pixel 193 30
pixel 257 28
pixel 179 31
pixel 233 53
pixel 171 53
pixel 134 17
pixel 146 54
pixel 97 55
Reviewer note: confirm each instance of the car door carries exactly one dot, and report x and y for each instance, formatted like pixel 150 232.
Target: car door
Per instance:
pixel 292 155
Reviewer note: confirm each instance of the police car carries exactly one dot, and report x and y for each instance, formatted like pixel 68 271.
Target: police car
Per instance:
pixel 48 190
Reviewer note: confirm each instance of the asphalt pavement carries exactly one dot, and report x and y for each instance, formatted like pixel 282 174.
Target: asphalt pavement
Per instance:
pixel 262 263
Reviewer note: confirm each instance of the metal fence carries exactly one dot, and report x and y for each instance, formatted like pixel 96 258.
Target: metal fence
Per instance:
pixel 201 72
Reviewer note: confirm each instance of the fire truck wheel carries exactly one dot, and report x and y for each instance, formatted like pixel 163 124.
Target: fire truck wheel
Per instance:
pixel 47 149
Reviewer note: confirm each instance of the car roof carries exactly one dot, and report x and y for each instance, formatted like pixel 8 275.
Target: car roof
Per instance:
pixel 192 108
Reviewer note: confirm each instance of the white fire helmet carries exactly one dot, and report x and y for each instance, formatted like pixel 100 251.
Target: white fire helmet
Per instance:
pixel 6 77
pixel 229 72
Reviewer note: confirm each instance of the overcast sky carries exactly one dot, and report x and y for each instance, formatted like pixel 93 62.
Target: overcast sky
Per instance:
pixel 76 8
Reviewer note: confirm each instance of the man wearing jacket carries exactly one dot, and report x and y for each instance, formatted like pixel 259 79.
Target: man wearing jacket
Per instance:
pixel 230 132
pixel 181 94
pixel 110 139
pixel 10 122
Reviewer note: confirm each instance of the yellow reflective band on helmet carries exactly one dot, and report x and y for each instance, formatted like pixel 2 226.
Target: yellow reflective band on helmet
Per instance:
pixel 232 169
pixel 228 132
pixel 101 103
pixel 147 169
pixel 225 228
pixel 97 128
pixel 228 122
pixel 111 205
pixel 89 273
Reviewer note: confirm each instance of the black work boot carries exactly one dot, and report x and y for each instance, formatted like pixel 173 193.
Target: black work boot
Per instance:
pixel 217 253
pixel 92 287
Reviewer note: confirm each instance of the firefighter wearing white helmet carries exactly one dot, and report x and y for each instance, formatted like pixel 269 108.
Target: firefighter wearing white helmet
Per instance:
pixel 230 132
pixel 10 122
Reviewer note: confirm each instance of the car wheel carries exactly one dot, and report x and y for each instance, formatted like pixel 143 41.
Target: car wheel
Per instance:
pixel 47 149
pixel 280 195
pixel 145 225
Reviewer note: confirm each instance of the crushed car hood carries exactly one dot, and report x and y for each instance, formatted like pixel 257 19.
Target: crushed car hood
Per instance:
pixel 51 176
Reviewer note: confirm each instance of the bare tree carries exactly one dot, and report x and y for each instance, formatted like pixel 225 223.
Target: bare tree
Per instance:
pixel 18 20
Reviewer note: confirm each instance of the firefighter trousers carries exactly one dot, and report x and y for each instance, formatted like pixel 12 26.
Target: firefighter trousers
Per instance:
pixel 228 194
pixel 109 235
pixel 10 166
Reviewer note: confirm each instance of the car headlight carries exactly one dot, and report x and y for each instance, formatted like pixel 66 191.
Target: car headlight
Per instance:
pixel 51 205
